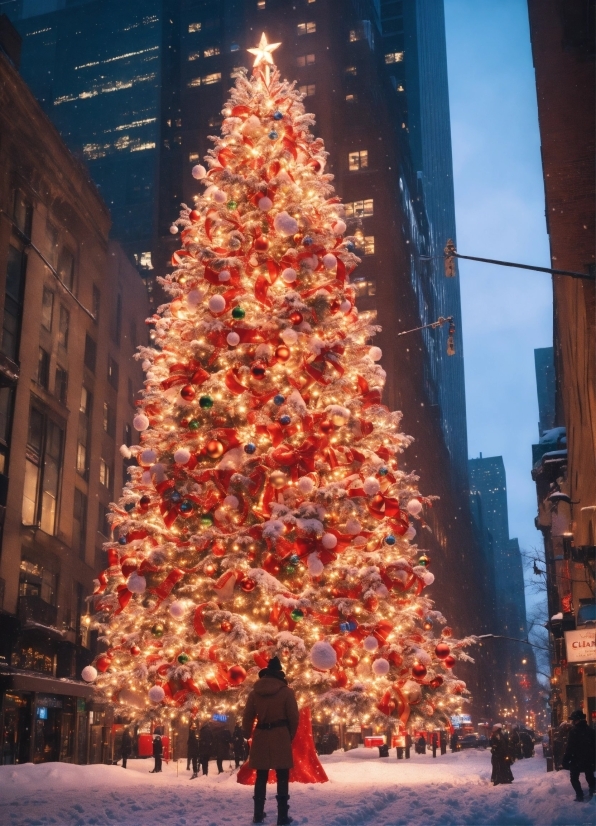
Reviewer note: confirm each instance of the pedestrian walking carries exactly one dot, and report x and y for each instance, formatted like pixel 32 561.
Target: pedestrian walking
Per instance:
pixel 454 744
pixel 192 753
pixel 238 745
pixel 580 755
pixel 125 747
pixel 157 753
pixel 500 756
pixel 421 745
pixel 434 742
pixel 443 741
pixel 515 744
pixel 206 747
pixel 527 744
pixel 272 704
pixel 223 741
pixel 408 744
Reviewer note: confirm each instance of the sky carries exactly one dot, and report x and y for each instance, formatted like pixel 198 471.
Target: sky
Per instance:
pixel 499 202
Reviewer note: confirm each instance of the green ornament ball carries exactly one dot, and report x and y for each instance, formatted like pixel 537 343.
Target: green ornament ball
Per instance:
pixel 290 569
pixel 232 205
pixel 194 425
pixel 206 402
pixel 297 614
pixel 238 312
pixel 183 658
pixel 158 630
pixel 206 520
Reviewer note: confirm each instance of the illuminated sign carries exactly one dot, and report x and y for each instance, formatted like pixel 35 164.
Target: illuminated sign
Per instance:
pixel 220 718
pixel 458 720
pixel 581 645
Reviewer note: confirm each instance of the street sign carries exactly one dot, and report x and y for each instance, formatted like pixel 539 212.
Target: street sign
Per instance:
pixel 581 645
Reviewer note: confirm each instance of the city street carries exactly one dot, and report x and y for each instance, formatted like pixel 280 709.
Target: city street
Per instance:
pixel 364 790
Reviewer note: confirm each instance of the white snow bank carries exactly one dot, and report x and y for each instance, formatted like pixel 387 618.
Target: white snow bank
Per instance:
pixel 453 790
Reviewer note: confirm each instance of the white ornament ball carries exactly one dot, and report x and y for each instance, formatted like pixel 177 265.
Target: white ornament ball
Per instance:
pixel 224 275
pixel 412 691
pixel 136 584
pixel 410 533
pixel 345 306
pixel 156 694
pixel 359 541
pixel 323 656
pixel 217 303
pixel 305 485
pixel 233 339
pixel 428 578
pixel 314 565
pixel 370 644
pixel 380 667
pixel 414 507
pixel 289 337
pixel 265 204
pixel 194 298
pixel 329 541
pixel 339 228
pixel 232 502
pixel 330 261
pixel 375 353
pixel 148 457
pixel 219 197
pixel 371 486
pixel 177 609
pixel 199 172
pixel 140 422
pixel 181 456
pixel 285 224
pixel 353 526
pixel 89 673
pixel 289 275
pixel 173 230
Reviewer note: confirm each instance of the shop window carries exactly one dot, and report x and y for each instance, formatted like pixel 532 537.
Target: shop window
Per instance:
pixel 47 309
pixel 113 373
pixel 63 327
pixel 43 471
pixel 194 157
pixel 79 525
pixel 215 77
pixel 90 357
pixel 358 160
pixel 13 301
pixel 38 576
pixel 84 432
pixel 61 385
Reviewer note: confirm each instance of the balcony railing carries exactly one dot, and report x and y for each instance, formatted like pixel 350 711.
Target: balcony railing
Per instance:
pixel 34 609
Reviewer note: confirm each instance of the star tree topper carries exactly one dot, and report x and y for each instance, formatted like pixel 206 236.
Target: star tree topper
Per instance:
pixel 263 54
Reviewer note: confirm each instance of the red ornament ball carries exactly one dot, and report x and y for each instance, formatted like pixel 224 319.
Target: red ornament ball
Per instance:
pixel 236 675
pixel 282 353
pixel 248 584
pixel 135 650
pixel 188 393
pixel 326 427
pixel 226 626
pixel 144 502
pixel 214 449
pixel 449 661
pixel 261 244
pixel 418 671
pixel 194 215
pixel 210 569
pixel 442 650
pixel 447 631
pixel 351 659
pixel 436 682
pixel 258 371
pixel 296 317
pixel 103 663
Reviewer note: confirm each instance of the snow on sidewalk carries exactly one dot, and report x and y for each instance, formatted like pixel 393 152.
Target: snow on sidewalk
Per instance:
pixel 453 790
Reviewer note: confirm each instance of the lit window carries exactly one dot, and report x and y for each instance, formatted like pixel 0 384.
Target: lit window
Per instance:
pixel 358 160
pixel 353 36
pixel 214 50
pixel 193 157
pixel 352 98
pixel 104 473
pixel 351 70
pixel 308 90
pixel 260 4
pixel 305 60
pixel 47 308
pixel 194 27
pixel 213 78
pixel 194 55
pixel 234 47
pixel 399 88
pixel 369 244
pixel 306 28
pixel 363 288
pixel 394 57
pixel 359 209
pixel 43 471
pixel 214 121
pixel 196 81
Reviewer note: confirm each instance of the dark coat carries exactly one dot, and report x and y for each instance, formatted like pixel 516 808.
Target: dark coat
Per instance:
pixel 192 744
pixel 270 701
pixel 238 742
pixel 126 745
pixel 206 742
pixel 581 747
pixel 157 747
pixel 500 758
pixel 223 738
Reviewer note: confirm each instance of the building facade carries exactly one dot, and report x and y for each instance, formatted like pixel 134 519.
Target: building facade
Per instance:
pixel 564 461
pixel 73 311
pixel 374 74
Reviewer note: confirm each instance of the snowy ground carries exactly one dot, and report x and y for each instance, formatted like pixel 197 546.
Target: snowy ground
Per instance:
pixel 363 791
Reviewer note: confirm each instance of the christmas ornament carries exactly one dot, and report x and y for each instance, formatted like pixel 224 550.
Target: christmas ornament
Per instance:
pixel 182 456
pixel 183 658
pixel 186 507
pixel 449 661
pixel 158 630
pixel 418 671
pixel 380 667
pixel 238 312
pixel 140 422
pixel 177 609
pixel 206 403
pixel 217 303
pixel 231 205
pixel 199 172
pixel 89 674
pixel 136 584
pixel 371 644
pixel 250 448
pixel 289 275
pixel 323 656
pixel 279 400
pixel 236 675
pixel 414 507
pixel 233 339
pixel 282 353
pixel 194 424
pixel 436 682
pixel 285 420
pixel 206 520
pixel 390 539
pixel 442 650
pixel 297 614
pixel 258 371
pixel 226 626
pixel 248 584
pixel 296 317
pixel 278 479
pixel 156 694
pixel 214 449
pixel 424 560
pixel 447 631
pixel 188 393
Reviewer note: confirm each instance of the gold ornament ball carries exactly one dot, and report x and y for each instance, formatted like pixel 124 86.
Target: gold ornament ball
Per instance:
pixel 278 479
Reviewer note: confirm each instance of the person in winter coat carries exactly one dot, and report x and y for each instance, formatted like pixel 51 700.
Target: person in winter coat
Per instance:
pixel 223 741
pixel 500 756
pixel 273 705
pixel 157 753
pixel 206 747
pixel 193 750
pixel 421 745
pixel 443 741
pixel 125 747
pixel 580 755
pixel 238 744
pixel 527 744
pixel 454 743
pixel 514 745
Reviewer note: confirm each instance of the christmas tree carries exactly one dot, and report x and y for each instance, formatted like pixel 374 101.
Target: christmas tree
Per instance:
pixel 267 513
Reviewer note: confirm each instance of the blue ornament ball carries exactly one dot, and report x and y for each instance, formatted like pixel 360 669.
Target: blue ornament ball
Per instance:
pixel 383 471
pixel 390 540
pixel 344 626
pixel 176 497
pixel 294 559
pixel 186 506
pixel 129 506
pixel 352 625
pixel 250 448
pixel 273 135
pixel 350 246
pixel 277 115
pixel 122 540
pixel 279 399
pixel 307 241
pixel 285 419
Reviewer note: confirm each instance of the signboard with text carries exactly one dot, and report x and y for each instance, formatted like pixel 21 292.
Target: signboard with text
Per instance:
pixel 581 645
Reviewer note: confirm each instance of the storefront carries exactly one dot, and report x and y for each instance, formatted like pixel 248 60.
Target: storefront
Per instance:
pixel 43 719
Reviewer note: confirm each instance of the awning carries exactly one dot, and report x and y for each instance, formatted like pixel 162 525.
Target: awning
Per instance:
pixel 19 681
